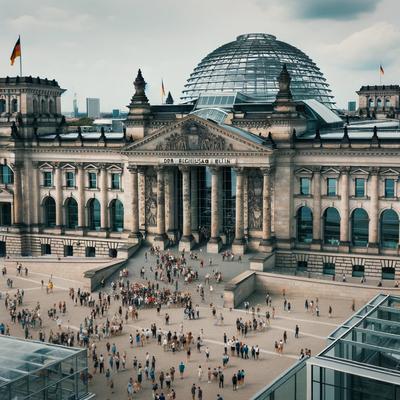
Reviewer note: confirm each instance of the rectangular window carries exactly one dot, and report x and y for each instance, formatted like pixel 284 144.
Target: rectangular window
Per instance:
pixel 68 251
pixel 90 252
pixel 359 187
pixel 47 179
pixel 358 271
pixel 331 186
pixel 302 265
pixel 70 179
pixel 329 268
pixel 46 249
pixel 6 175
pixel 389 188
pixel 115 181
pixel 92 180
pixel 305 184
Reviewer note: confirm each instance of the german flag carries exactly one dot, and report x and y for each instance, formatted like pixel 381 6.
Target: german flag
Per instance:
pixel 16 51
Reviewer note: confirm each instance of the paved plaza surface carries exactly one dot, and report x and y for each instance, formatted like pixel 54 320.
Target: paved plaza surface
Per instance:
pixel 258 373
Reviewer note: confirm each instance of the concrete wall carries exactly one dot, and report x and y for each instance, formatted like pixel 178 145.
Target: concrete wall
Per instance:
pixel 239 288
pixel 93 277
pixel 294 285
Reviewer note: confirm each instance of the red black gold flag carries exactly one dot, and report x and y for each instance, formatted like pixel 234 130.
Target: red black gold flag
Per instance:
pixel 16 51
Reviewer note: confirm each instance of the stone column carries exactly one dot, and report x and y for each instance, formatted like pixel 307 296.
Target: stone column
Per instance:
pixel 238 245
pixel 161 238
pixel 59 195
pixel 194 202
pixel 36 196
pixel 187 240
pixel 142 198
pixel 316 242
pixel 103 198
pixel 215 243
pixel 344 210
pixel 170 203
pixel 134 204
pixel 81 196
pixel 373 245
pixel 266 242
pixel 18 219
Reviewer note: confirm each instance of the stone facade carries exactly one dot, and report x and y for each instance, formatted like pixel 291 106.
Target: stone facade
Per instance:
pixel 322 204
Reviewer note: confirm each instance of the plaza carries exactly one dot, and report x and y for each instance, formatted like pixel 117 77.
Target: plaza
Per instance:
pixel 313 330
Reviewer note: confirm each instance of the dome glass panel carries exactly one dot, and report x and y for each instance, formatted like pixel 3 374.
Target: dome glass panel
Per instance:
pixel 251 65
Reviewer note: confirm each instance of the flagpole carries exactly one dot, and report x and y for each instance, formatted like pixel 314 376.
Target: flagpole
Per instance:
pixel 20 57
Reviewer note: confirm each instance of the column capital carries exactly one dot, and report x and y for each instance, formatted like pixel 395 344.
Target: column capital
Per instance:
pixel 214 170
pixel 159 168
pixel 266 170
pixel 142 169
pixel 374 170
pixel 80 165
pixel 102 166
pixel 316 169
pixel 132 168
pixel 344 170
pixel 239 170
pixel 184 168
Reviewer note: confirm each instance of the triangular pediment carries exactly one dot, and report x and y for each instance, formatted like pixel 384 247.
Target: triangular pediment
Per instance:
pixel 196 134
pixel 45 165
pixel 331 171
pixel 90 167
pixel 359 171
pixel 389 172
pixel 68 166
pixel 304 171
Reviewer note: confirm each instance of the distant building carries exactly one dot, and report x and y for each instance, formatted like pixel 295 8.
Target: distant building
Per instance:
pixel 93 107
pixel 379 101
pixel 351 106
pixel 116 113
pixel 75 109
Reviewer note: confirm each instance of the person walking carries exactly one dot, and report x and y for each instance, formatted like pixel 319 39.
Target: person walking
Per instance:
pixel 181 369
pixel 234 382
pixel 199 373
pixel 296 331
pixel 193 391
pixel 221 380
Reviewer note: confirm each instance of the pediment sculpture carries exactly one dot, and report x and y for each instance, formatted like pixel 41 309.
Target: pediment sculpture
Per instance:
pixel 192 137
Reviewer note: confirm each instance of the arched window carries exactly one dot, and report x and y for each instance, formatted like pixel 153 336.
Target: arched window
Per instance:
pixel 2 106
pixel 93 214
pixel 71 213
pixel 52 109
pixel 359 227
pixel 5 214
pixel 35 106
pixel 304 225
pixel 49 212
pixel 14 105
pixel 389 227
pixel 331 226
pixel 117 216
pixel 43 106
pixel 379 103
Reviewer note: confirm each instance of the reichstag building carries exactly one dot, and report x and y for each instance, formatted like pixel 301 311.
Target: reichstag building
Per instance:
pixel 253 156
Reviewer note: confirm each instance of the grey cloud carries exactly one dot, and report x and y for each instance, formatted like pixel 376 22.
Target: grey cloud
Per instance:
pixel 333 9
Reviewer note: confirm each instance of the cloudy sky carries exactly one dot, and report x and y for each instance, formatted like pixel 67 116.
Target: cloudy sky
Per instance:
pixel 94 47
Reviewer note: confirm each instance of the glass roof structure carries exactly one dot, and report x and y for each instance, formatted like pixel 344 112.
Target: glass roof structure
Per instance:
pixel 33 370
pixel 250 65
pixel 370 338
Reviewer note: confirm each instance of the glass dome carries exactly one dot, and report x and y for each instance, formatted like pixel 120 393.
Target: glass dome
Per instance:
pixel 251 65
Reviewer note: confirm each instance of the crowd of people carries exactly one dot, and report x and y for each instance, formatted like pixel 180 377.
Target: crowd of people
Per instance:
pixel 117 308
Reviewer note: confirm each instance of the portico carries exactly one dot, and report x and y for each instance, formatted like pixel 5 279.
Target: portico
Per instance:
pixel 195 186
